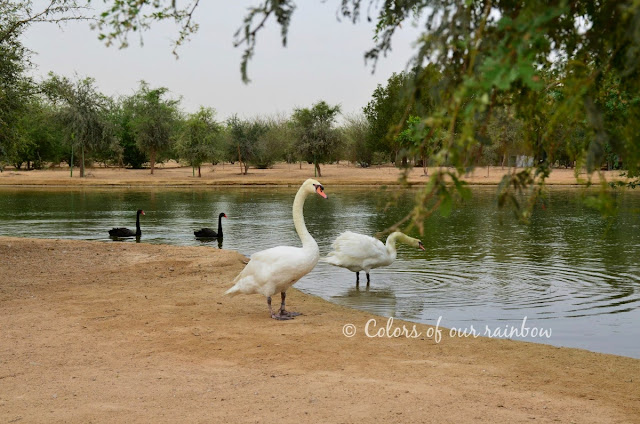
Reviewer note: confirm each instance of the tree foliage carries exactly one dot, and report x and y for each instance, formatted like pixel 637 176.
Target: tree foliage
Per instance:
pixel 243 136
pixel 15 86
pixel 356 132
pixel 121 18
pixel 273 143
pixel 17 90
pixel 549 61
pixel 42 135
pixel 405 94
pixel 197 141
pixel 317 138
pixel 16 16
pixel 154 120
pixel 122 115
pixel 83 112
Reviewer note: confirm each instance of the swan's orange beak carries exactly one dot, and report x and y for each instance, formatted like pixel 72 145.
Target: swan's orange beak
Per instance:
pixel 420 245
pixel 320 191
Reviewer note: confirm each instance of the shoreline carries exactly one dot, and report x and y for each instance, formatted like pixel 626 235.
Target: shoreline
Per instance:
pixel 142 333
pixel 282 174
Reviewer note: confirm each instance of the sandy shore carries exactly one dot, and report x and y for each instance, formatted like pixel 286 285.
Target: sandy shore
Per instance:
pixel 281 173
pixel 123 332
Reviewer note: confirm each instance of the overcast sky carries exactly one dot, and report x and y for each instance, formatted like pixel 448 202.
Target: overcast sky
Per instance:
pixel 324 60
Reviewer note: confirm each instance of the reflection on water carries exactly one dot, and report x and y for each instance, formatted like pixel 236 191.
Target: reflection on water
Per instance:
pixel 569 270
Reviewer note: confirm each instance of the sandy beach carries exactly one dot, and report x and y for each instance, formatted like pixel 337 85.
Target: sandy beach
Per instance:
pixel 171 174
pixel 124 332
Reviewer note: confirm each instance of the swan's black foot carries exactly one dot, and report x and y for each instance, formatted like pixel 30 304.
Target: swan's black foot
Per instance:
pixel 281 317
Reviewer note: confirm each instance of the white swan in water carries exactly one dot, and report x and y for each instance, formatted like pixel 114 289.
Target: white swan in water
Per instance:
pixel 358 252
pixel 274 270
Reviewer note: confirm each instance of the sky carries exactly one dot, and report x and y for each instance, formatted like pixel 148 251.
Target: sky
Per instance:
pixel 323 60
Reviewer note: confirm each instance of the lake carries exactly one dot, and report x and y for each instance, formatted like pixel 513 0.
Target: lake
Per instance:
pixel 569 271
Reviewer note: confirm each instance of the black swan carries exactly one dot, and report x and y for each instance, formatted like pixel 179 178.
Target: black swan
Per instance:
pixel 125 232
pixel 208 232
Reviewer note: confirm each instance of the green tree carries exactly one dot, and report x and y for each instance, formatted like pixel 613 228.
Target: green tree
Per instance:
pixel 505 132
pixel 356 134
pixel 122 115
pixel 41 135
pixel 385 110
pixel 242 140
pixel 271 144
pixel 84 113
pixel 15 87
pixel 197 142
pixel 405 94
pixel 317 138
pixel 618 105
pixel 154 120
pixel 418 140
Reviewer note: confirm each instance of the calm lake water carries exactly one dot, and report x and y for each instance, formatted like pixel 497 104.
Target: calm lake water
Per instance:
pixel 569 271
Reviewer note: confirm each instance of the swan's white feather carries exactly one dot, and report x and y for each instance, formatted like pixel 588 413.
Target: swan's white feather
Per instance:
pixel 274 270
pixel 359 252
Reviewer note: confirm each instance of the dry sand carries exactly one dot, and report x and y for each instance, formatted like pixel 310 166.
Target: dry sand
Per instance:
pixel 281 173
pixel 97 332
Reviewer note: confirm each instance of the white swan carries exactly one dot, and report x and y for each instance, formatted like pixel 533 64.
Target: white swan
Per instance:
pixel 274 270
pixel 357 252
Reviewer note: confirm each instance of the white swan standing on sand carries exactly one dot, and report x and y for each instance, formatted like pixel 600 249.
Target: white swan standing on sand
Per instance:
pixel 274 270
pixel 358 252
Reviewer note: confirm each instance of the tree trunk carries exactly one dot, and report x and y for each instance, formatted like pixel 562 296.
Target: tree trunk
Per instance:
pixel 246 168
pixel 425 169
pixel 318 170
pixel 199 173
pixel 504 158
pixel 152 159
pixel 82 163
pixel 71 163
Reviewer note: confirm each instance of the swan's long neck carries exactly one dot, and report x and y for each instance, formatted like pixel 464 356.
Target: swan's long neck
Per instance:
pixel 138 232
pixel 219 225
pixel 391 243
pixel 298 220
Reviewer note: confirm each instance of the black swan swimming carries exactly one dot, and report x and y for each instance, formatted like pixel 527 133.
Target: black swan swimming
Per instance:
pixel 208 232
pixel 125 232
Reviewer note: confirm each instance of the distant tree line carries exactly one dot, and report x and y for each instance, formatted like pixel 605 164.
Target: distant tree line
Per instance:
pixel 62 120
pixel 408 121
pixel 554 82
